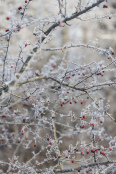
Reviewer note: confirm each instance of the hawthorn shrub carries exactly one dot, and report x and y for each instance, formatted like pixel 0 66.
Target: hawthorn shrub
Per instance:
pixel 55 88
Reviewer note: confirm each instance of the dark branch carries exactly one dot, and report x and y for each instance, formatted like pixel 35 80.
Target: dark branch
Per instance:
pixel 82 167
pixel 74 15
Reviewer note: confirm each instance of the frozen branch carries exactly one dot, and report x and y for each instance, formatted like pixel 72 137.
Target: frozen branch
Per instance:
pixel 83 167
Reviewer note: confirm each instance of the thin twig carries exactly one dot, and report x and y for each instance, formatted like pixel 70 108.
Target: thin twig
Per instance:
pixel 99 106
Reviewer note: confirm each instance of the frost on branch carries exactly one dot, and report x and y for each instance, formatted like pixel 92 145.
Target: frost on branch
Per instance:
pixel 57 87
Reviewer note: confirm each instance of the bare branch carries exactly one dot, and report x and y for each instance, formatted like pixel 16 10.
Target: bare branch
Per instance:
pixel 74 15
pixel 84 166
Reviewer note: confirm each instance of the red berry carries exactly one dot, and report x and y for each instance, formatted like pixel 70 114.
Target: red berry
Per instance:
pixel 68 150
pixel 18 27
pixel 36 74
pixel 24 120
pixel 81 103
pixel 4 116
pixel 7 17
pixel 70 102
pixel 72 161
pixel 67 77
pixel 102 153
pixel 19 8
pixel 66 156
pixel 82 126
pixel 53 65
pixel 109 17
pixel 13 171
pixel 25 1
pixel 25 45
pixel 82 153
pixel 100 139
pixel 7 30
pixel 59 157
pixel 87 152
pixel 105 6
pixel 76 149
pixel 50 143
pixel 52 87
pixel 110 149
pixel 25 104
pixel 78 170
pixel 112 53
pixel 109 57
pixel 93 151
pixel 48 139
pixel 61 25
pixel 22 132
pixel 74 117
pixel 92 124
pixel 101 121
pixel 61 104
pixel 35 145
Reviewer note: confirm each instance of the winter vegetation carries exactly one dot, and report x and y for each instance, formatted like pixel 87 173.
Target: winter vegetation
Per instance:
pixel 58 87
